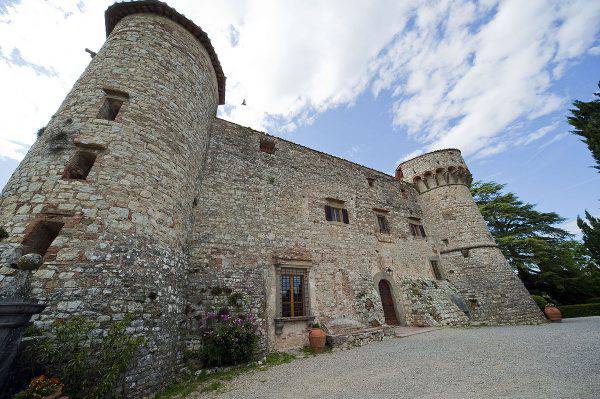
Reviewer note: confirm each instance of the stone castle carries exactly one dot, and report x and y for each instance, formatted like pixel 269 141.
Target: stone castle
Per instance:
pixel 142 201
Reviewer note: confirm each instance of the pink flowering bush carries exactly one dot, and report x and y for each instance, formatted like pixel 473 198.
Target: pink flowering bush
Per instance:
pixel 228 340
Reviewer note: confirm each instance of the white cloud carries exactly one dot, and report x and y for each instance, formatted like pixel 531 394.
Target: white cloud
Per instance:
pixel 460 72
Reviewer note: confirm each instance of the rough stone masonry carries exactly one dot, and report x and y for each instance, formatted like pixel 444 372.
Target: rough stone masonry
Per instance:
pixel 142 201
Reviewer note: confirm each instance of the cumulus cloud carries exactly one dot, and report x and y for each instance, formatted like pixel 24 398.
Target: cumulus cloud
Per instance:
pixel 459 72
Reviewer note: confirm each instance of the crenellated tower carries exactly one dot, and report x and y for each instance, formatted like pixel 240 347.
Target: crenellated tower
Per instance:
pixel 470 257
pixel 106 192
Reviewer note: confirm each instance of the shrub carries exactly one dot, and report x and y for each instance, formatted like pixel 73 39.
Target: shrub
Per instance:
pixel 228 340
pixel 87 368
pixel 593 300
pixel 540 301
pixel 582 310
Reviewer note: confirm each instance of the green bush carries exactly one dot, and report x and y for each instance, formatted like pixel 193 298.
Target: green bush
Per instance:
pixel 540 301
pixel 228 340
pixel 582 310
pixel 87 368
pixel 593 300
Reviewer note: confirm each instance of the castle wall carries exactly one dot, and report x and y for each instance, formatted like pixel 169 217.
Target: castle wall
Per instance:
pixel 122 248
pixel 260 210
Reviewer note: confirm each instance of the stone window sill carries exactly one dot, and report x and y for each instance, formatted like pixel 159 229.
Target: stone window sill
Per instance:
pixel 280 321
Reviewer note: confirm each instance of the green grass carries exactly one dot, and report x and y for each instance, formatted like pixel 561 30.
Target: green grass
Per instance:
pixel 309 351
pixel 213 382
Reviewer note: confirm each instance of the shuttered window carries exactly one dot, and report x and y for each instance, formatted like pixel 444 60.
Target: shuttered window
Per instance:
pixel 416 229
pixel 336 214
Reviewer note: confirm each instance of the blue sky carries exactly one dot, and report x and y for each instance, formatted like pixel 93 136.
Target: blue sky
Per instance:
pixel 372 82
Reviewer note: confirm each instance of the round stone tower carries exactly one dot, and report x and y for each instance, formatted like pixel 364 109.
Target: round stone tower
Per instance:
pixel 106 192
pixel 470 257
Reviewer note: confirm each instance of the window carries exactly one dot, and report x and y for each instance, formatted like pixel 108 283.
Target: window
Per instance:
pixel 336 214
pixel 436 269
pixel 383 224
pixel 267 146
pixel 79 166
pixel 292 292
pixel 112 104
pixel 371 181
pixel 416 228
pixel 39 239
pixel 110 109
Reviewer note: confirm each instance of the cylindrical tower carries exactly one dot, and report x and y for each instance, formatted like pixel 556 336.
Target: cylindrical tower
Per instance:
pixel 470 258
pixel 106 193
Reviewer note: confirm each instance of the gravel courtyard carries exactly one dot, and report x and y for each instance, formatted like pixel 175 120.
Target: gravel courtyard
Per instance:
pixel 547 361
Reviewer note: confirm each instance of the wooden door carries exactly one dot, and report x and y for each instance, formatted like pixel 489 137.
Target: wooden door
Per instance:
pixel 389 311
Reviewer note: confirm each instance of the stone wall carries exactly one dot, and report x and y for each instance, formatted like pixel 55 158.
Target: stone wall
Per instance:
pixel 258 211
pixel 123 247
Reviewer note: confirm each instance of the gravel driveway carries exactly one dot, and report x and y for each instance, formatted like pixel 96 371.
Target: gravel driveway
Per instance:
pixel 547 361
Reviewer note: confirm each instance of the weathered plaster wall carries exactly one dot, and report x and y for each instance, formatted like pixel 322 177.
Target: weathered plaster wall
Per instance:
pixel 123 247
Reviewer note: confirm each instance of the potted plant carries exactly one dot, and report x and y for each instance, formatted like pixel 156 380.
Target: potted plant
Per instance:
pixel 552 313
pixel 316 337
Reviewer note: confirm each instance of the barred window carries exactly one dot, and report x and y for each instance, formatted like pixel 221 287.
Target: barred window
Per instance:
pixel 336 214
pixel 292 292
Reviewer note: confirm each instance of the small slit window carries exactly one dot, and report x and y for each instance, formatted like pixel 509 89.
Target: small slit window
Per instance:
pixel 336 214
pixel 435 267
pixel 267 146
pixel 79 166
pixel 39 239
pixel 383 224
pixel 371 181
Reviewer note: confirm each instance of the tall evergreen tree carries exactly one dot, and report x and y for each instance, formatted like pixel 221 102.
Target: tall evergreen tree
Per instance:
pixel 585 119
pixel 591 235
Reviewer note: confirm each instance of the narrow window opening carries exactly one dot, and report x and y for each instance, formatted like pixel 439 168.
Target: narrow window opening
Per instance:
pixel 195 202
pixel 267 146
pixel 79 166
pixel 436 270
pixel 383 224
pixel 110 109
pixel 404 193
pixel 465 253
pixel 371 181
pixel 39 239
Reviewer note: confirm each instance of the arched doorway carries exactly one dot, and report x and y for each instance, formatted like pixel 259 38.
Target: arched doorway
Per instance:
pixel 387 301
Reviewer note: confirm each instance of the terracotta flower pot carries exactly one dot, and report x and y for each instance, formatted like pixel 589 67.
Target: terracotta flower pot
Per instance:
pixel 316 337
pixel 553 314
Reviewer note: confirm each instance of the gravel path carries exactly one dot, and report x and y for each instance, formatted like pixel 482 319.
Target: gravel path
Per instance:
pixel 547 361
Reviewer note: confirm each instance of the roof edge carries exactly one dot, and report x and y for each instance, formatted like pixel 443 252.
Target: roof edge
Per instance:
pixel 118 11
